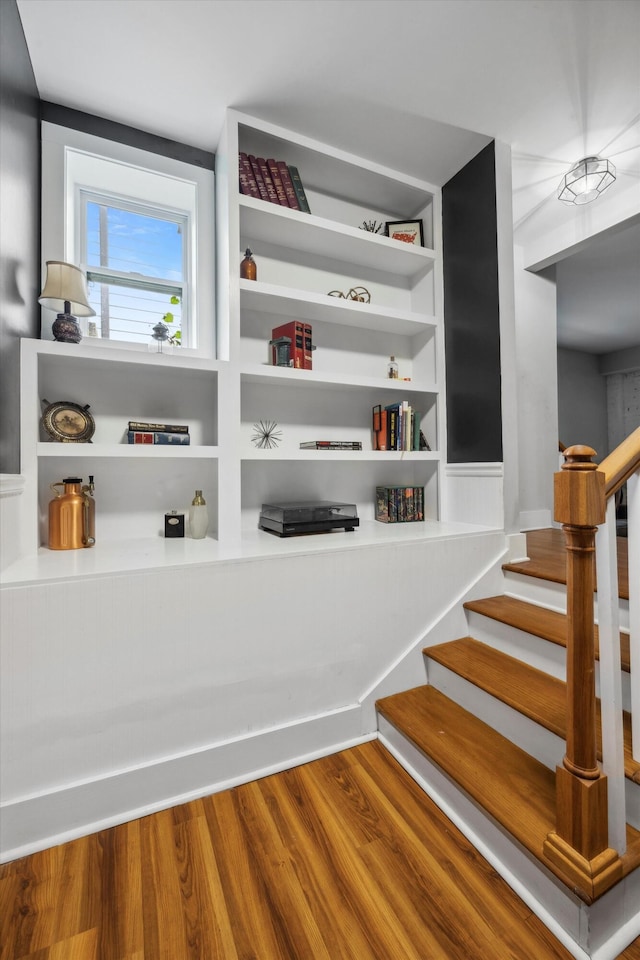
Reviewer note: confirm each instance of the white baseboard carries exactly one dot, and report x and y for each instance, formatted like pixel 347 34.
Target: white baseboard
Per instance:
pixel 37 822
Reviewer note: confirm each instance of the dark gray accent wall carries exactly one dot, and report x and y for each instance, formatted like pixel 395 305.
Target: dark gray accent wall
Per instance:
pixel 19 222
pixel 121 133
pixel 471 313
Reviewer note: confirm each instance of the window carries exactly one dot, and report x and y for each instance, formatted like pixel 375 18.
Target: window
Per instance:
pixel 136 263
pixel 141 226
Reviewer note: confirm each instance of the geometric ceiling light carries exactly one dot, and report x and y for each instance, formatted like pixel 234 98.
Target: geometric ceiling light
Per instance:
pixel 586 180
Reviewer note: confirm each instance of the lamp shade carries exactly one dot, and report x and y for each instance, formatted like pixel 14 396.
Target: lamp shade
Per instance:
pixel 586 180
pixel 65 283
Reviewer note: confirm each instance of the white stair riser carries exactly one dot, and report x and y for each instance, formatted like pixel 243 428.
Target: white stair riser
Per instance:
pixel 536 740
pixel 545 593
pixel 534 651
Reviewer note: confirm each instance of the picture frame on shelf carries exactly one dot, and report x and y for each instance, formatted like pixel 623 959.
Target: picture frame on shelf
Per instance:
pixel 407 231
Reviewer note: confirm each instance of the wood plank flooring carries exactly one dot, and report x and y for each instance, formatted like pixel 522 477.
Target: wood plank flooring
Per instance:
pixel 547 558
pixel 344 858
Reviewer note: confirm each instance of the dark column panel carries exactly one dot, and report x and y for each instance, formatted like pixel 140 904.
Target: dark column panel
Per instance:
pixel 19 222
pixel 471 312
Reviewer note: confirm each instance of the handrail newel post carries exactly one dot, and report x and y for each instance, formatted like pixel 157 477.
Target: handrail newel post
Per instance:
pixel 579 844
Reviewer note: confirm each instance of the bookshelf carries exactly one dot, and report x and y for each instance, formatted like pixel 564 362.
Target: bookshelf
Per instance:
pixel 300 258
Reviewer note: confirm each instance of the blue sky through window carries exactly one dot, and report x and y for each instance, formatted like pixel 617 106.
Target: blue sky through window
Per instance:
pixel 136 243
pixel 139 247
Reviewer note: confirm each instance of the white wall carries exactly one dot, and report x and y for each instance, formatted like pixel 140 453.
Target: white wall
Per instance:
pixel 535 300
pixel 582 401
pixel 121 693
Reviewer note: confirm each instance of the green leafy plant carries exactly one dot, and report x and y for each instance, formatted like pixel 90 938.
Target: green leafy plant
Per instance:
pixel 175 338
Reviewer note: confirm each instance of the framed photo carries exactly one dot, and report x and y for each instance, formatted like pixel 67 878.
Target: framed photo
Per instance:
pixel 408 231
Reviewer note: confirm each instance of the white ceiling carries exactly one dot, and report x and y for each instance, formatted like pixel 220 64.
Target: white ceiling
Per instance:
pixel 418 84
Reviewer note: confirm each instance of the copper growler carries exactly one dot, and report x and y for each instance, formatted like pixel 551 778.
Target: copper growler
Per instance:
pixel 72 515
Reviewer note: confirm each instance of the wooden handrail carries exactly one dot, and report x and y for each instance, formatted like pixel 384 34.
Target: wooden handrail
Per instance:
pixel 621 464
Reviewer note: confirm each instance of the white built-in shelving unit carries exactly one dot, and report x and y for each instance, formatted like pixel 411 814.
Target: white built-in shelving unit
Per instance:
pixel 300 258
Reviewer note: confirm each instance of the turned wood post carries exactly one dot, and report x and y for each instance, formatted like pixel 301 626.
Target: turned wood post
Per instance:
pixel 580 841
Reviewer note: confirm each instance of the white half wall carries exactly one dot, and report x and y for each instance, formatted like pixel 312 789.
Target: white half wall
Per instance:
pixel 121 693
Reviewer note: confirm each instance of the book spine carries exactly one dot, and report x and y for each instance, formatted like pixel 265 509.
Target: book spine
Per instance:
pixel 258 176
pixel 301 196
pixel 294 329
pixel 266 179
pixel 157 437
pixel 394 412
pixel 406 425
pixel 382 504
pixel 277 182
pixel 331 445
pixel 382 435
pixel 287 183
pixel 416 431
pixel 308 347
pixel 161 427
pixel 248 185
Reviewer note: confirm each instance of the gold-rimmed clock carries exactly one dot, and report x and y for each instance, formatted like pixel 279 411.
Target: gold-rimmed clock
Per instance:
pixel 68 422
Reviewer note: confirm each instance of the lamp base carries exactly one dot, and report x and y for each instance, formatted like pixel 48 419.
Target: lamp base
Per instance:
pixel 66 329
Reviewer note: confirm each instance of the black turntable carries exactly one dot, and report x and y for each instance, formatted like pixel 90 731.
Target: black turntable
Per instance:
pixel 308 516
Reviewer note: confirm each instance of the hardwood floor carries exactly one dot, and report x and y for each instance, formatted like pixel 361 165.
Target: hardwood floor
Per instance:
pixel 344 858
pixel 546 550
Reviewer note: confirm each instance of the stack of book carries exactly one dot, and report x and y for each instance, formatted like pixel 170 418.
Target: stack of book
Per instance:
pixel 301 348
pixel 331 445
pixel 397 427
pixel 273 181
pixel 399 504
pixel 150 433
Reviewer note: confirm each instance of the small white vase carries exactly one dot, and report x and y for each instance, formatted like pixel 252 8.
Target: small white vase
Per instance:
pixel 198 517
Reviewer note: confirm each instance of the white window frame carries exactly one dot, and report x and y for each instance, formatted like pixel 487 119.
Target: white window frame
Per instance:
pixel 72 161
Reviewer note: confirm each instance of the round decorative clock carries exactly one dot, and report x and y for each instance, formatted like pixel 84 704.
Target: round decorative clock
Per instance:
pixel 68 422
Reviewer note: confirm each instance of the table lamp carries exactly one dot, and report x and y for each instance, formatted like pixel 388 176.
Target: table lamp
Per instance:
pixel 65 288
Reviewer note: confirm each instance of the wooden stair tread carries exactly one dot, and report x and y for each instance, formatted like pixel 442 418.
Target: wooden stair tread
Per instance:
pixel 514 788
pixel 546 550
pixel 533 693
pixel 539 621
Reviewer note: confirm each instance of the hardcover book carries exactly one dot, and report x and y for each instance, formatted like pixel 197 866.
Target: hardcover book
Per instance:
pixel 294 329
pixel 331 445
pixel 277 182
pixel 248 185
pixel 287 183
pixel 258 176
pixel 158 437
pixel 162 427
pixel 272 196
pixel 301 196
pixel 308 347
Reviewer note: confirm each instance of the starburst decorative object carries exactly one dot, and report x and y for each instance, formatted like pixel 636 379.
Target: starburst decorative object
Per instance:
pixel 586 180
pixel 372 226
pixel 266 435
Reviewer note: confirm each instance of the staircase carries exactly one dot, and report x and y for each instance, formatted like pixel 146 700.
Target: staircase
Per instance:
pixel 485 734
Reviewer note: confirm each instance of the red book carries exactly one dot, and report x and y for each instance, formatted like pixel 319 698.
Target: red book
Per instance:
pixel 248 185
pixel 294 329
pixel 258 175
pixel 266 179
pixel 277 182
pixel 308 348
pixel 287 183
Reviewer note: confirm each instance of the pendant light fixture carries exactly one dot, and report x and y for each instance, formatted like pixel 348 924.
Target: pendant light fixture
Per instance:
pixel 586 180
